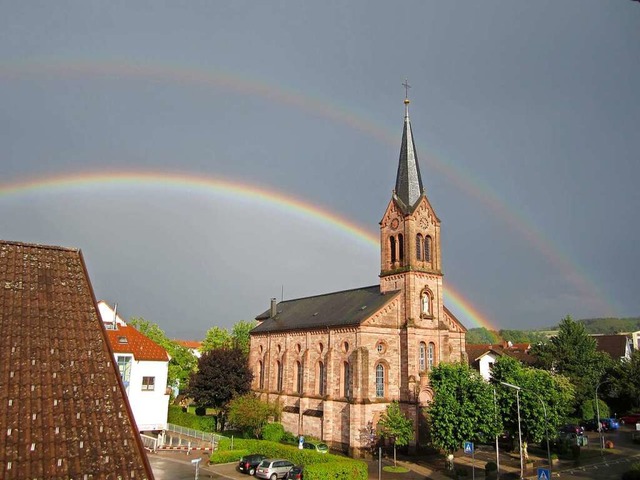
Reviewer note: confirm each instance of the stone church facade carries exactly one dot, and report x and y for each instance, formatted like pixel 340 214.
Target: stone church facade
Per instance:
pixel 334 362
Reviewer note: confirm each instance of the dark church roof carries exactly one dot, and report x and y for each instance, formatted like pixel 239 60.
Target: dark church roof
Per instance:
pixel 349 307
pixel 64 412
pixel 408 181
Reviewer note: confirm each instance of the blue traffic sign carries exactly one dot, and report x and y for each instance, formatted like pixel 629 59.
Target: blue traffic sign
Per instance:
pixel 544 474
pixel 468 447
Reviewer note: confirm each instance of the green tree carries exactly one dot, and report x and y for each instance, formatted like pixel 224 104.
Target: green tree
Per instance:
pixel 240 335
pixel 216 337
pixel 222 374
pixel 625 382
pixel 540 393
pixel 395 426
pixel 182 362
pixel 462 409
pixel 250 414
pixel 573 354
pixel 482 336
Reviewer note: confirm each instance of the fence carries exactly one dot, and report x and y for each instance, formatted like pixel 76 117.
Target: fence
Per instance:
pixel 211 438
pixel 150 443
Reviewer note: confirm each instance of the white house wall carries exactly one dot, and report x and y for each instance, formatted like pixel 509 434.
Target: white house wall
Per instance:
pixel 150 407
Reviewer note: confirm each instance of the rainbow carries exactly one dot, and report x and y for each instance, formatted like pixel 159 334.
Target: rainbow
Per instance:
pixel 235 191
pixel 53 68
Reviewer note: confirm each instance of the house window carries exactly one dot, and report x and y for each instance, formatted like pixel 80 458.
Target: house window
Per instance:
pixel 299 377
pixel 427 248
pixel 124 367
pixel 346 375
pixel 419 246
pixel 422 356
pixel 392 246
pixel 431 354
pixel 279 379
pixel 321 379
pixel 148 383
pixel 261 374
pixel 380 381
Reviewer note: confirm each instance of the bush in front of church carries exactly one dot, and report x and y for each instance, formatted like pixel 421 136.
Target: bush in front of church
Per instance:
pixel 273 432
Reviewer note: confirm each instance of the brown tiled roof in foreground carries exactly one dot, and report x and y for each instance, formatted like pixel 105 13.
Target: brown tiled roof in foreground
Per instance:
pixel 63 412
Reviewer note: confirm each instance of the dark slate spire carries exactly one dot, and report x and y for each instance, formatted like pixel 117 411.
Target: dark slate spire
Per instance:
pixel 408 181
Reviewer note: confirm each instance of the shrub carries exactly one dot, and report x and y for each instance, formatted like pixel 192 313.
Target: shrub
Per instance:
pixel 353 469
pixel 490 467
pixel 227 456
pixel 273 432
pixel 289 438
pixel 189 420
pixel 633 473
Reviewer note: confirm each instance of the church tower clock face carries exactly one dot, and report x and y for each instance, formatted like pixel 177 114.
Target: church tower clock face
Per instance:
pixel 394 224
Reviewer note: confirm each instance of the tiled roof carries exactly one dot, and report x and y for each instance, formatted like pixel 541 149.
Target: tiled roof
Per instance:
pixel 348 307
pixel 614 345
pixel 63 409
pixel 127 339
pixel 194 344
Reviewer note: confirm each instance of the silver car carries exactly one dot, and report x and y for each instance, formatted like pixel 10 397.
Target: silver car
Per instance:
pixel 273 468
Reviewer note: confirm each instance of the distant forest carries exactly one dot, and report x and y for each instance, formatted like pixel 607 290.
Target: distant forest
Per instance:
pixel 592 325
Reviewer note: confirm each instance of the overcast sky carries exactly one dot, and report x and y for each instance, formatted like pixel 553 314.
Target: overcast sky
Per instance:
pixel 525 116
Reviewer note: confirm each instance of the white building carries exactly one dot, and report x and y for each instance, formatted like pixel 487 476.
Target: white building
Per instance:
pixel 143 366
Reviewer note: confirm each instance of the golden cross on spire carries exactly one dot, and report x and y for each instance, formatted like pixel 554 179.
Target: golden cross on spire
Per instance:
pixel 406 89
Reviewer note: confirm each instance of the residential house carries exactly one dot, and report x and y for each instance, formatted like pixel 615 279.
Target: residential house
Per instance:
pixel 143 366
pixel 617 346
pixel 193 346
pixel 64 409
pixel 482 356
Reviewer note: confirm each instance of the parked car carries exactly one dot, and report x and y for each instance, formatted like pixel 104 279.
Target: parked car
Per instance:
pixel 592 425
pixel 572 428
pixel 248 463
pixel 318 447
pixel 630 419
pixel 273 468
pixel 611 423
pixel 295 473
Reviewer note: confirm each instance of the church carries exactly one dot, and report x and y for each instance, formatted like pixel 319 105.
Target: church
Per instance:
pixel 335 361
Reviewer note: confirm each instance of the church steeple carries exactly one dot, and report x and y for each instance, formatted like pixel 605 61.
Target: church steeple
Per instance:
pixel 408 181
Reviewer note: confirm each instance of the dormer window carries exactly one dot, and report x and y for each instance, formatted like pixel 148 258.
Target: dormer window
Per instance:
pixel 123 340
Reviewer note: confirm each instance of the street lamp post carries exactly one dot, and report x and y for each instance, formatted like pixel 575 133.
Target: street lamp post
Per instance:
pixel 517 389
pixel 546 430
pixel 495 406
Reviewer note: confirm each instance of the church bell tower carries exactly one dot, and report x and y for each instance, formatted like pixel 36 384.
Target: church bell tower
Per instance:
pixel 410 259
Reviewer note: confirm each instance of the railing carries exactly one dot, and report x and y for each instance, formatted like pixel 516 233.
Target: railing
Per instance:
pixel 150 443
pixel 197 434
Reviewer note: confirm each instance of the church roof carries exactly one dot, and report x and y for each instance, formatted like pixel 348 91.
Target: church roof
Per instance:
pixel 348 307
pixel 408 181
pixel 64 412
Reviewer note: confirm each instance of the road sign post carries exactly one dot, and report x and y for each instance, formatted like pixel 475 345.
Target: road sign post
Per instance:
pixel 468 449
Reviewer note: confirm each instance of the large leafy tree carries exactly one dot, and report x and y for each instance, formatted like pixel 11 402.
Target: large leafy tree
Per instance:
pixel 216 337
pixel 462 409
pixel 573 354
pixel 240 335
pixel 395 426
pixel 222 374
pixel 625 381
pixel 182 362
pixel 545 399
pixel 250 414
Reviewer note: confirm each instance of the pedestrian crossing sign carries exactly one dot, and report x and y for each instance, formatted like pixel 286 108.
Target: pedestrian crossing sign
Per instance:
pixel 468 447
pixel 544 474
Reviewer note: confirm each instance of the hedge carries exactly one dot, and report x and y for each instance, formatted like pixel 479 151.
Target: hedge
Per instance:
pixel 273 432
pixel 228 456
pixel 189 420
pixel 334 466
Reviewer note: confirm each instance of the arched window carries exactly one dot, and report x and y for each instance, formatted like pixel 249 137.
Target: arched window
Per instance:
pixel 419 246
pixel 392 246
pixel 380 380
pixel 431 355
pixel 299 377
pixel 422 358
pixel 427 248
pixel 321 379
pixel 346 376
pixel 261 374
pixel 401 247
pixel 279 379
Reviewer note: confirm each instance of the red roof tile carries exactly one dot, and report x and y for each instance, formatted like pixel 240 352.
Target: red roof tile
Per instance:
pixel 195 344
pixel 127 339
pixel 64 412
